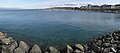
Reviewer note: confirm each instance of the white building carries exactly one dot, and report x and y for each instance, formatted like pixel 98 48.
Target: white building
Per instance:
pixel 117 6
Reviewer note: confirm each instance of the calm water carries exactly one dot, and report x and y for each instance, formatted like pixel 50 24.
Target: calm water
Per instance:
pixel 57 27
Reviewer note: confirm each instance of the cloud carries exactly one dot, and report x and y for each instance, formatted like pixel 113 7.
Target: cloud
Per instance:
pixel 23 4
pixel 44 4
pixel 49 3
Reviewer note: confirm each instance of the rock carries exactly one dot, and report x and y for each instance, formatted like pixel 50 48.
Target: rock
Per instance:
pixel 78 51
pixel 4 49
pixel 116 32
pixel 108 39
pixel 46 52
pixel 114 45
pixel 23 48
pixel 109 35
pixel 116 37
pixel 96 48
pixel 69 49
pixel 112 40
pixel 117 42
pixel 107 50
pixel 5 41
pixel 110 52
pixel 105 45
pixel 80 47
pixel 89 52
pixel 35 49
pixel 118 46
pixel 103 40
pixel 13 46
pixel 2 37
pixel 52 50
pixel 0 50
pixel 2 34
pixel 85 48
pixel 99 43
pixel 118 51
pixel 92 52
pixel 113 50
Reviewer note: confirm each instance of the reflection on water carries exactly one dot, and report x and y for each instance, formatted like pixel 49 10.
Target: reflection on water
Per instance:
pixel 57 27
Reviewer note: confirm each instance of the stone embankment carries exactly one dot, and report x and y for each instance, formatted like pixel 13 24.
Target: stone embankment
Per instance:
pixel 109 43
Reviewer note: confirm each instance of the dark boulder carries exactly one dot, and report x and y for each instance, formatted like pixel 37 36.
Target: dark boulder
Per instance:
pixel 105 45
pixel 78 51
pixel 23 48
pixel 68 49
pixel 35 49
pixel 96 48
pixel 79 47
pixel 13 46
pixel 52 50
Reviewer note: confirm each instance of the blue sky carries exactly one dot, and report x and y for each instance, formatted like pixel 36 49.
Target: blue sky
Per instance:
pixel 50 3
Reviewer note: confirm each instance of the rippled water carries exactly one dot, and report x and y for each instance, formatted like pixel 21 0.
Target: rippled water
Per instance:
pixel 57 27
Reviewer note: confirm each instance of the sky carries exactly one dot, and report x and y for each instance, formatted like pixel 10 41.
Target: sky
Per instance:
pixel 33 4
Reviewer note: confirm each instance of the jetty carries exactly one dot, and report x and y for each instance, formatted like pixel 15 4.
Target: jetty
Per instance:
pixel 108 43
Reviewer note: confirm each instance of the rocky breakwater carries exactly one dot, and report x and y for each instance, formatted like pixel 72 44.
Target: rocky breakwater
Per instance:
pixel 109 43
pixel 8 45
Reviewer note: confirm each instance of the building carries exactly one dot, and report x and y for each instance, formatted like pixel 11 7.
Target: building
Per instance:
pixel 106 6
pixel 117 6
pixel 113 7
pixel 94 7
pixel 90 7
pixel 83 7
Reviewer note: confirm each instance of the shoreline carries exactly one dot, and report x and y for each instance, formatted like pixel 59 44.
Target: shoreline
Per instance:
pixel 108 43
pixel 64 10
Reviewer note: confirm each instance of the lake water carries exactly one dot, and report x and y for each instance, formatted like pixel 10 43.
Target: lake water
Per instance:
pixel 57 27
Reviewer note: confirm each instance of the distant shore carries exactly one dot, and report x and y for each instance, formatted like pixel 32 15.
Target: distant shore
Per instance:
pixel 69 9
pixel 89 10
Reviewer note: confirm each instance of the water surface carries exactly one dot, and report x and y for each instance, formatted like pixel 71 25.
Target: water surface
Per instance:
pixel 57 27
